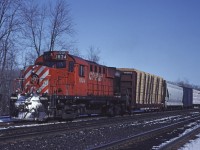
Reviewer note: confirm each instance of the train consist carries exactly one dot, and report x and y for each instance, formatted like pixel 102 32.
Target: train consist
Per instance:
pixel 63 86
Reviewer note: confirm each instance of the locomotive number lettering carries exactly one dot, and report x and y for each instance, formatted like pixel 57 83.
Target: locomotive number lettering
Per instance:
pixel 82 80
pixel 61 56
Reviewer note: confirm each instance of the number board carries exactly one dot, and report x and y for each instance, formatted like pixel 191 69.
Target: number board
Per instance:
pixel 61 55
pixel 58 55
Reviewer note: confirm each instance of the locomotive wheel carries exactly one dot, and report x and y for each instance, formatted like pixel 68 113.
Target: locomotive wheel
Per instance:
pixel 117 110
pixel 69 117
pixel 104 110
pixel 111 111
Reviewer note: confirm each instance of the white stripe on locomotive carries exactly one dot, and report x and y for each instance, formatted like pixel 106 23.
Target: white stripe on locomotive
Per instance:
pixel 40 70
pixel 44 75
pixel 28 74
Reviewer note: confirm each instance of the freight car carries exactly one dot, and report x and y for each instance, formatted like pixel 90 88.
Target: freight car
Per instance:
pixel 144 90
pixel 63 86
pixel 174 96
pixel 196 98
pixel 187 97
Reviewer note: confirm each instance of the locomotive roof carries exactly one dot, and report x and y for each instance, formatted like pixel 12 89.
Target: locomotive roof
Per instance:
pixel 77 59
pixel 84 61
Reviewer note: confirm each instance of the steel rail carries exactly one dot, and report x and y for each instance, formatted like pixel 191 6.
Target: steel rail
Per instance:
pixel 120 144
pixel 19 133
pixel 180 141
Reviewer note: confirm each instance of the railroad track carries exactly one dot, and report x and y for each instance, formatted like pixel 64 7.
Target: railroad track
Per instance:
pixel 23 133
pixel 127 143
pixel 14 124
pixel 177 142
pixel 17 134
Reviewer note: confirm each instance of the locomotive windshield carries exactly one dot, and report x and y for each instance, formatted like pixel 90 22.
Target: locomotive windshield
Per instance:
pixel 55 64
pixel 53 59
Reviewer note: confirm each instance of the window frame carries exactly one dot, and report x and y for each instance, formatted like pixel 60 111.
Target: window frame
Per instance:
pixel 95 68
pixel 91 68
pixel 81 70
pixel 71 66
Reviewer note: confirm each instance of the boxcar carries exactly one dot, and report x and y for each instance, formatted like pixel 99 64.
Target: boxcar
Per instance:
pixel 145 90
pixel 174 96
pixel 196 98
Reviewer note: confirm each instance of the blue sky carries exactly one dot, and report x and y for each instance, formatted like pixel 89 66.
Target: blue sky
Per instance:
pixel 161 37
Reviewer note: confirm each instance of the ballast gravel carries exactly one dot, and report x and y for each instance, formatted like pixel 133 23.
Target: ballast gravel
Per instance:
pixel 88 138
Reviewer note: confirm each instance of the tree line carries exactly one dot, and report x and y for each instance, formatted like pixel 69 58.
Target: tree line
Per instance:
pixel 27 29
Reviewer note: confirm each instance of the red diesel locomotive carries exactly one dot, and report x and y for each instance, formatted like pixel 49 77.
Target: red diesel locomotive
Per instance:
pixel 60 85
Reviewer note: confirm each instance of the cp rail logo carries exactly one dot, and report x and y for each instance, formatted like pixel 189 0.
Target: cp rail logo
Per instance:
pixel 35 79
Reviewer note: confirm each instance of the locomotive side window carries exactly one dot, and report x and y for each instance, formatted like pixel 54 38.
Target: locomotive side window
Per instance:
pixel 71 66
pixel 95 69
pixel 91 68
pixel 104 70
pixel 49 64
pixel 39 63
pixel 61 64
pixel 99 69
pixel 81 71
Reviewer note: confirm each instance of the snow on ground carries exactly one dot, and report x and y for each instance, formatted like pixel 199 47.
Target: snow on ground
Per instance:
pixel 192 145
pixel 186 131
pixel 7 119
pixel 27 125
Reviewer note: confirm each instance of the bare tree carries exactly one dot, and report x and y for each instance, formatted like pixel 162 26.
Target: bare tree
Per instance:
pixel 76 52
pixel 184 83
pixel 34 17
pixel 46 29
pixel 9 27
pixel 93 54
pixel 60 23
pixel 10 24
